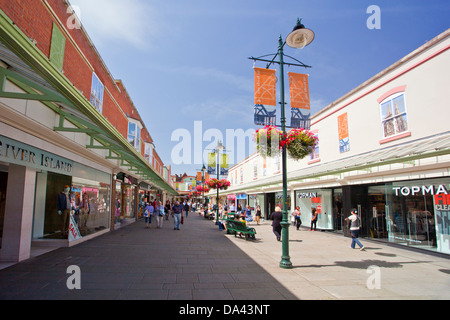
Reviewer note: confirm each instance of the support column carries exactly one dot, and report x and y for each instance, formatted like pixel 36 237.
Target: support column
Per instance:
pixel 18 223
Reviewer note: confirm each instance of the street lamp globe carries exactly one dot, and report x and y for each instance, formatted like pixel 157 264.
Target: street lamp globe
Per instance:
pixel 300 36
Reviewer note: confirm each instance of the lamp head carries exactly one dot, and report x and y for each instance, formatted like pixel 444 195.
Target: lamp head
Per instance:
pixel 300 37
pixel 220 146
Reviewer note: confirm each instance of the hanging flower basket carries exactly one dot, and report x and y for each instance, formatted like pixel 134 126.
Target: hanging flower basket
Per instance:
pixel 268 141
pixel 201 189
pixel 300 143
pixel 218 184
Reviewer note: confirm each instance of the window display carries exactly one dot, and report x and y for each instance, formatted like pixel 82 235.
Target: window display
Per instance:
pixel 71 207
pixel 321 201
pixel 411 217
pixel 90 208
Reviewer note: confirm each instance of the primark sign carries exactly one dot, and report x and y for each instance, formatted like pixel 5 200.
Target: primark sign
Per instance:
pixel 421 190
pixel 19 153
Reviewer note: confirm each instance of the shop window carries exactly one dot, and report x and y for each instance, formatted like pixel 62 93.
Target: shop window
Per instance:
pixel 394 120
pixel 412 213
pixel 97 90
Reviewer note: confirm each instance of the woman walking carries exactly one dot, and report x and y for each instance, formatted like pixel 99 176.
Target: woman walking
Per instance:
pixel 148 213
pixel 297 214
pixel 159 215
pixel 313 219
pixel 258 214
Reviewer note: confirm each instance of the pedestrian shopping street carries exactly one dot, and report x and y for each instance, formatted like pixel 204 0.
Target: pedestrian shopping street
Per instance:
pixel 200 262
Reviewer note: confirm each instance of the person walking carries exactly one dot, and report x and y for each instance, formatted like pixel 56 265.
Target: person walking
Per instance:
pixel 177 214
pixel 355 224
pixel 167 209
pixel 248 214
pixel 297 214
pixel 277 217
pixel 258 214
pixel 159 215
pixel 313 219
pixel 186 208
pixel 148 213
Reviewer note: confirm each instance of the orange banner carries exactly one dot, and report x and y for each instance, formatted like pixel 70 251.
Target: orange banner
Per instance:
pixel 299 88
pixel 265 86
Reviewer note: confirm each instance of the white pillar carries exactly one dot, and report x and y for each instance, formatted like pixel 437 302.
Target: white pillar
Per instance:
pixel 18 223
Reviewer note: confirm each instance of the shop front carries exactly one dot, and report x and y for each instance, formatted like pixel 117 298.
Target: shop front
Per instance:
pixel 273 200
pixel 48 197
pixel 241 201
pixel 126 198
pixel 413 213
pixel 71 207
pixel 255 201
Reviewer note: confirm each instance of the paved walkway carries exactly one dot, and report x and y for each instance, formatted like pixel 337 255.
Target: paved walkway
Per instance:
pixel 200 262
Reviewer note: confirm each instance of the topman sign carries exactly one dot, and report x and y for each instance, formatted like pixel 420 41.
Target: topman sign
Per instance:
pixel 421 190
pixel 21 154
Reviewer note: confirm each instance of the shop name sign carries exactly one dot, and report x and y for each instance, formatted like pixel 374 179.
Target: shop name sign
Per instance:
pixel 421 190
pixel 307 195
pixel 21 154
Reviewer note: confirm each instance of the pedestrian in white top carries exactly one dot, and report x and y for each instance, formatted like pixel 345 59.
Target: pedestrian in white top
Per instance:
pixel 355 224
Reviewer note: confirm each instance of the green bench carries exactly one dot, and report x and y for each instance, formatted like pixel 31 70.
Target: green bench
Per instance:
pixel 239 228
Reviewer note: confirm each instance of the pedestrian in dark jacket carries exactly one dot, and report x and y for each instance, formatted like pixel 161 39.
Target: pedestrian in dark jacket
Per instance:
pixel 277 217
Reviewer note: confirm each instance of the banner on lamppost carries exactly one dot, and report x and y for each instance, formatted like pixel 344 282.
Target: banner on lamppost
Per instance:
pixel 300 118
pixel 199 178
pixel 265 86
pixel 300 101
pixel 212 163
pixel 299 90
pixel 224 164
pixel 265 115
pixel 265 96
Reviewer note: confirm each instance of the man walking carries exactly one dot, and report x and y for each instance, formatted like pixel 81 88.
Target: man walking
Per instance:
pixel 177 212
pixel 186 208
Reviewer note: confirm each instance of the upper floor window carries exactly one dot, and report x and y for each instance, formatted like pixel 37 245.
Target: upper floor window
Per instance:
pixel 134 135
pixel 148 152
pixel 97 93
pixel 394 118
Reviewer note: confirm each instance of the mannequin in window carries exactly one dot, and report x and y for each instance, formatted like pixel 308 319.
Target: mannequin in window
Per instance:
pixel 63 206
pixel 85 210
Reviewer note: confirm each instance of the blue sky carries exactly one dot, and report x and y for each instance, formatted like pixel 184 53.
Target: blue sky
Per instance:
pixel 186 62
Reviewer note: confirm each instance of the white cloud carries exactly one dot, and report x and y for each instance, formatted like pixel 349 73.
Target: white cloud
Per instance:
pixel 132 22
